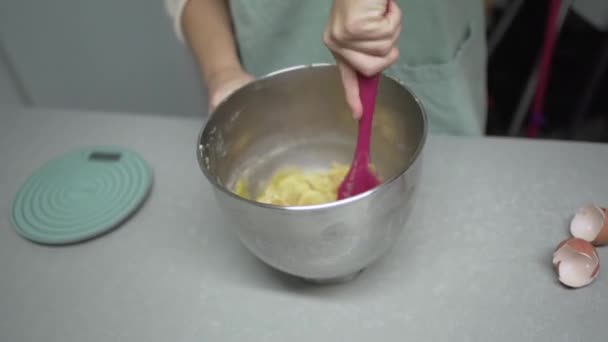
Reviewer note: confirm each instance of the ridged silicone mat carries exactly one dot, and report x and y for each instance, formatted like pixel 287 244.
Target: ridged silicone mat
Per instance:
pixel 81 195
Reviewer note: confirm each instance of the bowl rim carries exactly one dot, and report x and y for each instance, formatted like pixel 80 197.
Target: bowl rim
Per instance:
pixel 323 206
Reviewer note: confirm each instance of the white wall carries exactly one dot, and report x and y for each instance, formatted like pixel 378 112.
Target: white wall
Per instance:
pixel 595 11
pixel 8 89
pixel 100 54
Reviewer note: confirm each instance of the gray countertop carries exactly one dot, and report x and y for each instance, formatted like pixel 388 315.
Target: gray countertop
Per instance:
pixel 474 263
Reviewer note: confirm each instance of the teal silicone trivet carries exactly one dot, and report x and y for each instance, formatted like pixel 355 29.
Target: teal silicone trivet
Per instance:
pixel 81 194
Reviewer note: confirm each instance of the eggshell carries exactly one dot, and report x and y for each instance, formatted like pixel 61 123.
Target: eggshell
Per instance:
pixel 590 223
pixel 576 262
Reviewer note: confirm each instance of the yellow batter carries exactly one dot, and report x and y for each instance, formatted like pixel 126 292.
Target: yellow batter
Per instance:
pixel 290 187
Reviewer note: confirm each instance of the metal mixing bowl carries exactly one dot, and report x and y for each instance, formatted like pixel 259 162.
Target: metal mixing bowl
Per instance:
pixel 298 117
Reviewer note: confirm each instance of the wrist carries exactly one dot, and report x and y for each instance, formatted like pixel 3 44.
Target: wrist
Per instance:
pixel 215 78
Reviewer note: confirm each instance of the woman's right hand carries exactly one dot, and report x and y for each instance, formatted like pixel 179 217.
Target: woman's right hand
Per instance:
pixel 362 35
pixel 223 83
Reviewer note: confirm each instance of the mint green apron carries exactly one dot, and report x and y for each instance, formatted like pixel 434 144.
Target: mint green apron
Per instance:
pixel 442 47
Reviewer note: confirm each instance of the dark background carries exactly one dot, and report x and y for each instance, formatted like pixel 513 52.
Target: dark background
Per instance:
pixel 574 64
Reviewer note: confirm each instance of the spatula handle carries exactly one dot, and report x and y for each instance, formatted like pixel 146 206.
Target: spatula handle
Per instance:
pixel 368 89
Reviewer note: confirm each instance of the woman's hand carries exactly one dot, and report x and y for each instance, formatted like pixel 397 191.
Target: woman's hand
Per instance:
pixel 362 35
pixel 225 82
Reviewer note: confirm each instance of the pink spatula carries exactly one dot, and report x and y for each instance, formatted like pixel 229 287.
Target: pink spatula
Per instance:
pixel 360 178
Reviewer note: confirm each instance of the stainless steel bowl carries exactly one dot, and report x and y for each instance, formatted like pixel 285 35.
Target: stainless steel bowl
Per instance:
pixel 298 117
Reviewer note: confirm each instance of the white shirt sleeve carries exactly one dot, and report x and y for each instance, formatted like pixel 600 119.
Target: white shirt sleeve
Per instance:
pixel 175 8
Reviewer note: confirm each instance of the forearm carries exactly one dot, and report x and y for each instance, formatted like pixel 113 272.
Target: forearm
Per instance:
pixel 208 31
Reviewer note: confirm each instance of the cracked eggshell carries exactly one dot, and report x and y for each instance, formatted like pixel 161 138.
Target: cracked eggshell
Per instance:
pixel 576 262
pixel 590 223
